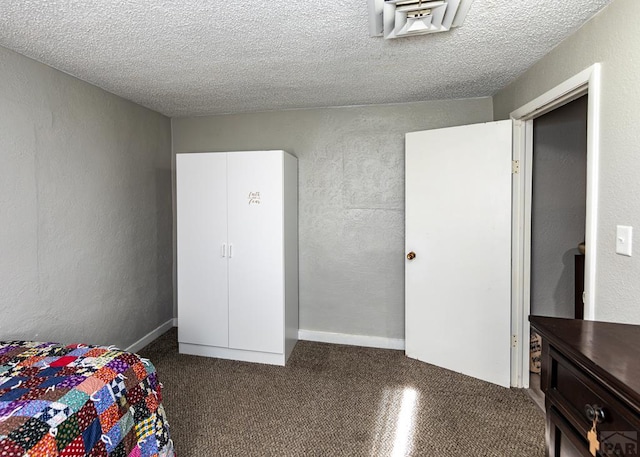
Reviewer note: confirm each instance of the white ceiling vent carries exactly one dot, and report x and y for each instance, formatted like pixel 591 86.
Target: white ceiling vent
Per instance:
pixel 399 18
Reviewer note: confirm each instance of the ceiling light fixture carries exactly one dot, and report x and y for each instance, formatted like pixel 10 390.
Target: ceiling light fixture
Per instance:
pixel 399 18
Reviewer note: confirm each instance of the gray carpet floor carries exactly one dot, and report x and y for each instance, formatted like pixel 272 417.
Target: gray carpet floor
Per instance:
pixel 333 400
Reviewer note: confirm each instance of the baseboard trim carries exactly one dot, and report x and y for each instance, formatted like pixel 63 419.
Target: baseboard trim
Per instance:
pixel 336 338
pixel 151 336
pixel 352 340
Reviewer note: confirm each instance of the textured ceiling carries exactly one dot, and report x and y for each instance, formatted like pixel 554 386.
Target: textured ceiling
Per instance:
pixel 196 57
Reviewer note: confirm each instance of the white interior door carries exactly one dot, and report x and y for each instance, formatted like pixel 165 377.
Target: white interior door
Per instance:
pixel 458 224
pixel 256 259
pixel 201 191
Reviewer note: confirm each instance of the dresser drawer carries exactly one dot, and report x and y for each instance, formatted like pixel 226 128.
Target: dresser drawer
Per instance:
pixel 590 363
pixel 570 390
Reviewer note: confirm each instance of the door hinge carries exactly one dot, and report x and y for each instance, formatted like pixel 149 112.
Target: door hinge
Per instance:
pixel 515 167
pixel 514 341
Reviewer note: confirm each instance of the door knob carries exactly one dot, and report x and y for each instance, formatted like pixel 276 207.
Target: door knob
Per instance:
pixel 411 255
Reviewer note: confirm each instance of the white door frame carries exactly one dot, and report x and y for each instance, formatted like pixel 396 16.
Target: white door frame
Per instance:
pixel 587 81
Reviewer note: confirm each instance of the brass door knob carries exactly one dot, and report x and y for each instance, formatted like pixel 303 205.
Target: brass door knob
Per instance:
pixel 411 255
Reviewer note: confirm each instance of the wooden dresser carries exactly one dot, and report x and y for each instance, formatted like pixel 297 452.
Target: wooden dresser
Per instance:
pixel 590 376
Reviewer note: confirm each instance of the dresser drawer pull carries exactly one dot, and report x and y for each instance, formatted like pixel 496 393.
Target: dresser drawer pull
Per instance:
pixel 594 413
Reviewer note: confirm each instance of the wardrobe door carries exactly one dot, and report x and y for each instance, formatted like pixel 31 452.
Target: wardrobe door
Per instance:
pixel 256 264
pixel 201 191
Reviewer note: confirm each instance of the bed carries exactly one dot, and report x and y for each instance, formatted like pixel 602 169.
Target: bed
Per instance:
pixel 79 400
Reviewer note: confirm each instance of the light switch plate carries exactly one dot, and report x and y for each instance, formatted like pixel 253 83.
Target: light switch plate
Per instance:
pixel 624 239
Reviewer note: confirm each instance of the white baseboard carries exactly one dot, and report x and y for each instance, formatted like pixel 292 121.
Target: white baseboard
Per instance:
pixel 352 340
pixel 337 338
pixel 151 336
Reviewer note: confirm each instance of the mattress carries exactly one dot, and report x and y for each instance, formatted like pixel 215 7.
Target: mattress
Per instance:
pixel 79 400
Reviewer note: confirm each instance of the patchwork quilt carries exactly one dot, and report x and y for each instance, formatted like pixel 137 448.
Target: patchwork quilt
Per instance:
pixel 79 400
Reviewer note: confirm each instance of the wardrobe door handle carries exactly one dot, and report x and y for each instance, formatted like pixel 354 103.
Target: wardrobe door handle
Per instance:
pixel 230 250
pixel 224 249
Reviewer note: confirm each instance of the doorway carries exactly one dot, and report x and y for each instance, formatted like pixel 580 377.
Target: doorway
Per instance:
pixel 536 288
pixel 558 210
pixel 459 293
pixel 558 215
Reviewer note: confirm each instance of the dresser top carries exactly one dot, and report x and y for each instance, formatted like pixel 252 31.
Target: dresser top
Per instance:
pixel 610 351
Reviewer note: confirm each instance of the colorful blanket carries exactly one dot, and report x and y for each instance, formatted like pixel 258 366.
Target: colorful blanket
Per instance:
pixel 79 401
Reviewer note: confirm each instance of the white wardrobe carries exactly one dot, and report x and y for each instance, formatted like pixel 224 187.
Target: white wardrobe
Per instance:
pixel 237 255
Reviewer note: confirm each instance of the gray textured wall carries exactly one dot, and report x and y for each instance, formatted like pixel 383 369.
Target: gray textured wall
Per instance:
pixel 558 207
pixel 351 199
pixel 85 210
pixel 612 37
